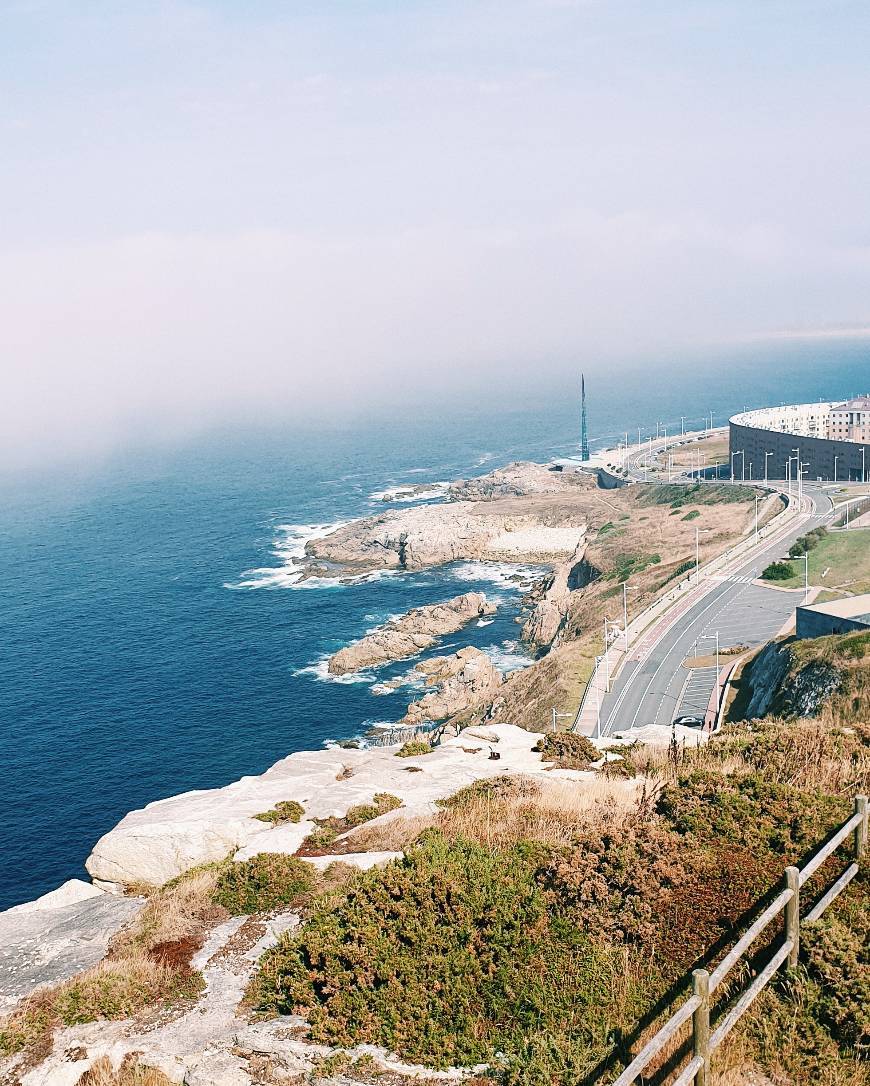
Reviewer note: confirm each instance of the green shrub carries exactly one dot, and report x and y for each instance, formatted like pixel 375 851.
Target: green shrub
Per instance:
pixel 568 750
pixel 413 747
pixel 266 881
pixel 365 812
pixel 777 571
pixel 627 565
pixel 693 514
pixel 451 956
pixel 288 810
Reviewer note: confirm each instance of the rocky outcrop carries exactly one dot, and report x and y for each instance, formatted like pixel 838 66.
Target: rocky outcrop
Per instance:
pixel 517 480
pixel 464 680
pixel 166 838
pixel 540 528
pixel 784 685
pixel 411 633
pixel 550 610
pixel 58 935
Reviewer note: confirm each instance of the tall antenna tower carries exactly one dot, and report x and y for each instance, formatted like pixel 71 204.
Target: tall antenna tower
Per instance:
pixel 584 437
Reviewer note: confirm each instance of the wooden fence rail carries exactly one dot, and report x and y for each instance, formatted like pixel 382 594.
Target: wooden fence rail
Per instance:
pixel 704 983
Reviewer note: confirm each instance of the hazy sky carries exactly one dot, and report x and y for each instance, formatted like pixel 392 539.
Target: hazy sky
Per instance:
pixel 226 207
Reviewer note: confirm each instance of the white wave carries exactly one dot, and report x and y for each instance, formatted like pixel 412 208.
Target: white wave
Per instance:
pixel 320 670
pixel 485 621
pixel 505 574
pixel 484 459
pixel 289 547
pixel 409 493
pixel 508 656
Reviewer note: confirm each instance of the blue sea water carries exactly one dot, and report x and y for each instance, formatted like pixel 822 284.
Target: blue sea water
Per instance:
pixel 140 657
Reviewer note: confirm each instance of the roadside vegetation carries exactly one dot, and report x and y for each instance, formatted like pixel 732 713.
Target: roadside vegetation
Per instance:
pixel 837 560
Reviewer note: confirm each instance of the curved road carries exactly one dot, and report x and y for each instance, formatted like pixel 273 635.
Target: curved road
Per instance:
pixel 653 686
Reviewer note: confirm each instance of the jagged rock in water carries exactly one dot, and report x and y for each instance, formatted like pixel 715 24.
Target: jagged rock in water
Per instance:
pixel 411 633
pixel 464 680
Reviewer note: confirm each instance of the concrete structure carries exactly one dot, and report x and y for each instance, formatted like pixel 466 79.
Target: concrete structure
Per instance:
pixel 834 617
pixel 831 441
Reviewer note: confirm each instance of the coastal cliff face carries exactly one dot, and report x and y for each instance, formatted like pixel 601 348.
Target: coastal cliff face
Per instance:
pixel 518 480
pixel 410 633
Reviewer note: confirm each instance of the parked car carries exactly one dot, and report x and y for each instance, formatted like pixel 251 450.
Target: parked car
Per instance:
pixel 691 721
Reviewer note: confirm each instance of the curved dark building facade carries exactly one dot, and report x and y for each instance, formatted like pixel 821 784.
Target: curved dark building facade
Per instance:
pixel 831 439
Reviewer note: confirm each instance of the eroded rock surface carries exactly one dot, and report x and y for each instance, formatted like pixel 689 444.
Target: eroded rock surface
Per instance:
pixel 53 938
pixel 410 633
pixel 517 480
pixel 464 680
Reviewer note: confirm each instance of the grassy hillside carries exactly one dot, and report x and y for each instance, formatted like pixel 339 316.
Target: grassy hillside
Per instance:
pixel 544 940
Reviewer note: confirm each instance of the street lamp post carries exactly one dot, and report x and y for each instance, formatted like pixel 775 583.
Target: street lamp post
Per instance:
pixel 742 456
pixel 597 700
pixel 806 558
pixel 836 458
pixel 682 425
pixel 606 658
pixel 765 464
pixel 625 587
pixel 757 500
pixel 709 637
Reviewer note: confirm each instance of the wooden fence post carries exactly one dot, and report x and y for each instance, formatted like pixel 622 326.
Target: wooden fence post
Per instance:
pixel 701 1025
pixel 793 915
pixel 861 828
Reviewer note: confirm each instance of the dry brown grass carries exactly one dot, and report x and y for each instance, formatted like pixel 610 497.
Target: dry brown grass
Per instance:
pixel 511 809
pixel 182 911
pixel 130 1073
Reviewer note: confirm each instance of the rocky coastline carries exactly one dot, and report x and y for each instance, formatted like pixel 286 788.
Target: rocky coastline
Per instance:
pixel 411 633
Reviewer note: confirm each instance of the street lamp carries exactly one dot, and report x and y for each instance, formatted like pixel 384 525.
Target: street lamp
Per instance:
pixel 709 637
pixel 597 700
pixel 765 464
pixel 625 587
pixel 682 425
pixel 741 454
pixel 806 558
pixel 836 458
pixel 757 500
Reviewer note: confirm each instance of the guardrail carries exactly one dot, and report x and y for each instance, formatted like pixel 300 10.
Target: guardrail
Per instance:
pixel 699 1006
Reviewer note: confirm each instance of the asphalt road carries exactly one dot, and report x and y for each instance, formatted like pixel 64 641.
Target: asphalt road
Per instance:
pixel 653 686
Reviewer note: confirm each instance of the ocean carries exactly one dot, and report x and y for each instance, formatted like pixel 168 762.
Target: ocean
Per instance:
pixel 153 638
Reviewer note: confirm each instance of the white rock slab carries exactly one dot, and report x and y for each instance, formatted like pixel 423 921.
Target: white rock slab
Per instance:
pixel 46 944
pixel 363 860
pixel 160 841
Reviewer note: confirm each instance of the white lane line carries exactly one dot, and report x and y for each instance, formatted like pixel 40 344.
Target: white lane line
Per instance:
pixel 723 599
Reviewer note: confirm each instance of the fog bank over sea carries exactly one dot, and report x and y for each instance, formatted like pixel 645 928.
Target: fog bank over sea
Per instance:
pixel 155 636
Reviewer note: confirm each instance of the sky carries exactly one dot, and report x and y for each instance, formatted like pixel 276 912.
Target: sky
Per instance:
pixel 217 210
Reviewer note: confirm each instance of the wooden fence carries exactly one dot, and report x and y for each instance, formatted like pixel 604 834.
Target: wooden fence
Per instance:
pixel 698 1006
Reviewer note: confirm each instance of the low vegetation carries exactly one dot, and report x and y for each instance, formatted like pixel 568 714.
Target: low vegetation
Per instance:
pixel 567 750
pixel 324 840
pixel 130 1073
pixel 778 571
pixel 288 810
pixel 412 747
pixel 527 931
pixel 266 882
pixel 149 963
